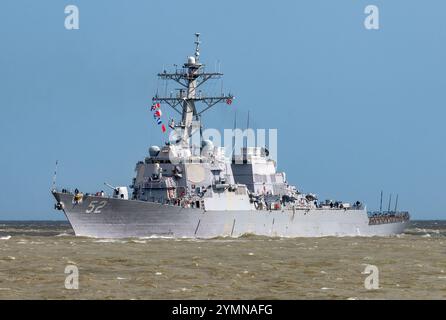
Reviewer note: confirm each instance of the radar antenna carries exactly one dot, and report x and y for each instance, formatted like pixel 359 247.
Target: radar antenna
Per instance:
pixel 55 176
pixel 191 76
pixel 197 46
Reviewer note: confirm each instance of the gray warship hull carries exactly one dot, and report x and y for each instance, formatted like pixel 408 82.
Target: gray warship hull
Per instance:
pixel 190 188
pixel 119 218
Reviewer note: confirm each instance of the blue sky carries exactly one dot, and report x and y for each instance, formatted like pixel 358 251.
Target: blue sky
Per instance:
pixel 357 110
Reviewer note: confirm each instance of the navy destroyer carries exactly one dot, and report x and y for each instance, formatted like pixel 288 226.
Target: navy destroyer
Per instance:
pixel 194 190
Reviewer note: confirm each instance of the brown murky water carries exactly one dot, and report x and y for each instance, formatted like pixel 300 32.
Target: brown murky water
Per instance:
pixel 33 258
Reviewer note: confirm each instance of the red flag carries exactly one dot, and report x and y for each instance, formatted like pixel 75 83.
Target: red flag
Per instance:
pixel 163 127
pixel 229 101
pixel 155 106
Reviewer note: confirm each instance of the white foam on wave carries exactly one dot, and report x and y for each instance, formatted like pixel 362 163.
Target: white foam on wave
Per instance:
pixel 156 237
pixel 110 241
pixel 64 235
pixel 139 241
pixel 5 238
pixel 423 231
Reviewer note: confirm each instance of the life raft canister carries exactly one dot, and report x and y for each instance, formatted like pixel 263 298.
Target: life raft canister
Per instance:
pixel 78 197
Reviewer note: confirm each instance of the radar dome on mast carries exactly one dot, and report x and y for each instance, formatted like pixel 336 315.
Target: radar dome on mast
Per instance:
pixel 191 60
pixel 207 147
pixel 208 144
pixel 154 151
pixel 191 78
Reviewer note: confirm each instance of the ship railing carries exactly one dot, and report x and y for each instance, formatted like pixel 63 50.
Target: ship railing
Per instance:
pixel 71 192
pixel 308 207
pixel 324 207
pixel 387 213
pixel 384 217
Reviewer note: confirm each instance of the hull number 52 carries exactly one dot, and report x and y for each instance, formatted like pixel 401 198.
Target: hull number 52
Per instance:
pixel 95 206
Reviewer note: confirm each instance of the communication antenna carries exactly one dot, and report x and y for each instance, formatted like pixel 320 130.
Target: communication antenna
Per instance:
pixel 381 203
pixel 390 201
pixel 233 136
pixel 197 46
pixel 55 176
pixel 187 103
pixel 396 203
pixel 245 141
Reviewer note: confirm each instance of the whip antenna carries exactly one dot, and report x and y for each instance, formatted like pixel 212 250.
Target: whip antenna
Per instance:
pixel 55 176
pixel 381 203
pixel 390 202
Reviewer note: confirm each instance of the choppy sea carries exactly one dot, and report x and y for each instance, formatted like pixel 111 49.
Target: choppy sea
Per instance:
pixel 44 260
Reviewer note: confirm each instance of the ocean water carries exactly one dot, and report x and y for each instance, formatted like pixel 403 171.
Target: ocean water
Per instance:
pixel 34 257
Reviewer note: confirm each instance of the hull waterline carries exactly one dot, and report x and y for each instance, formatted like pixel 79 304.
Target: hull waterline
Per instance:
pixel 117 218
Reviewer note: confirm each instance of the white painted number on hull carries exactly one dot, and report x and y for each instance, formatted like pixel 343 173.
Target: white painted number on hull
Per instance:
pixel 95 206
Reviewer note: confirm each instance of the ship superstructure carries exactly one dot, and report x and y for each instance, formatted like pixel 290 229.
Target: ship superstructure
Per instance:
pixel 191 188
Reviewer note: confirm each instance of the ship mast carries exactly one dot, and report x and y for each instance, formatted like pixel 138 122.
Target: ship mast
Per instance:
pixel 191 77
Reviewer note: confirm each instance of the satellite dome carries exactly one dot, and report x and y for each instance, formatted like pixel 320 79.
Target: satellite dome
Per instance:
pixel 191 60
pixel 207 144
pixel 154 150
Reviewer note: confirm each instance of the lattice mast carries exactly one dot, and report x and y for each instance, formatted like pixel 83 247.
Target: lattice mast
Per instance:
pixel 191 77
